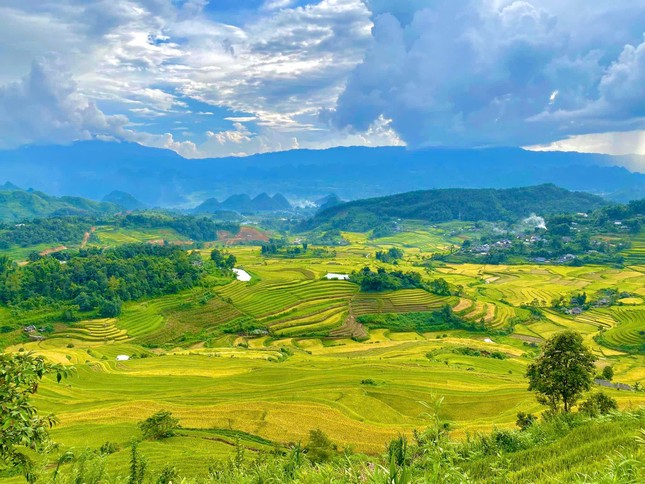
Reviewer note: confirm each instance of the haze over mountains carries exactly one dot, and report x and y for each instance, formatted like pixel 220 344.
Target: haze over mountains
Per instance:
pixel 159 177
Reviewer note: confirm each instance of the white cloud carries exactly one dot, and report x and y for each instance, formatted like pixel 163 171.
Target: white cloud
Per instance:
pixel 46 106
pixel 441 72
pixel 144 58
pixel 612 143
pixel 277 4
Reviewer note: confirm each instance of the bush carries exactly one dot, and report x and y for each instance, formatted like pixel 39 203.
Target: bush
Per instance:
pixel 608 373
pixel 168 475
pixel 108 448
pixel 506 440
pixel 598 404
pixel 525 420
pixel 161 425
pixel 320 448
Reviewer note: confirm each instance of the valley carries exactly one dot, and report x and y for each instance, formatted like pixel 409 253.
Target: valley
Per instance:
pixel 262 362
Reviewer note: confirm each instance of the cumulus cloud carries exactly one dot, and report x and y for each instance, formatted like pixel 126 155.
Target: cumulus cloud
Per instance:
pixel 499 72
pixel 45 106
pixel 320 73
pixel 149 59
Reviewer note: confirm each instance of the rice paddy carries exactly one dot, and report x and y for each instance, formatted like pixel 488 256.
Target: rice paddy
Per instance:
pixel 303 361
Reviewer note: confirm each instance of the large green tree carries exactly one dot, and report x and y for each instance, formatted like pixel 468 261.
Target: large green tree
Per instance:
pixel 563 371
pixel 20 425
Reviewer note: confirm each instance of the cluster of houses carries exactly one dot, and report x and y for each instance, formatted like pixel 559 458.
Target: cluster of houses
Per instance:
pixel 485 249
pixel 560 260
pixel 32 332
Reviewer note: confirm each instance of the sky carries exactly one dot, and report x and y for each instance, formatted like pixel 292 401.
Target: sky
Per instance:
pixel 238 77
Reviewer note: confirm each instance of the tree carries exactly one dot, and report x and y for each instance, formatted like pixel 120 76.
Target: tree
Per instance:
pixel 562 372
pixel 222 260
pixel 608 373
pixel 22 427
pixel 320 448
pixel 440 287
pixel 161 425
pixel 110 309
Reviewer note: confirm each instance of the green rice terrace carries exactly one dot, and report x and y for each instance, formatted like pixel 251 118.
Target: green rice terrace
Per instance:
pixel 256 366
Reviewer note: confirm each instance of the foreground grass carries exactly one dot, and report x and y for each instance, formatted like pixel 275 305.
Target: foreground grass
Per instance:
pixel 565 448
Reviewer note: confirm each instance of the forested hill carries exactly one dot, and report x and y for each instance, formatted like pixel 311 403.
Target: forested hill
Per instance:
pixel 457 204
pixel 17 205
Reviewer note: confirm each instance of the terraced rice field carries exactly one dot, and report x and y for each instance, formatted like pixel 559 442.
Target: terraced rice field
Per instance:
pixel 635 255
pixel 629 333
pixel 310 370
pixel 110 236
pixel 404 301
pixel 94 331
pixel 292 308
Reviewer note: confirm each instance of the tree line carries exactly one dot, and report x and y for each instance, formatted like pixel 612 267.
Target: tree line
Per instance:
pixel 96 279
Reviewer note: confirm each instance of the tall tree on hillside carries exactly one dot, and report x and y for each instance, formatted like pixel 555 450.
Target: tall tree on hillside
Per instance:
pixel 562 372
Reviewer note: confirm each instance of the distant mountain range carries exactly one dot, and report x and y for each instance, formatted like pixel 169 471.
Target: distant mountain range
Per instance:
pixel 159 177
pixel 243 203
pixel 444 205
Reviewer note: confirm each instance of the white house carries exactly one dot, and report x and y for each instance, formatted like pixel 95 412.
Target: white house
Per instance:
pixel 122 358
pixel 338 277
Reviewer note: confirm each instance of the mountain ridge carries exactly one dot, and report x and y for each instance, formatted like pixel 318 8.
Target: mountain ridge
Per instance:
pixel 442 205
pixel 17 205
pixel 159 177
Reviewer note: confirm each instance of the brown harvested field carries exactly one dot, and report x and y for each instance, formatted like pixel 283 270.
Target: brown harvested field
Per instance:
pixel 245 235
pixel 463 305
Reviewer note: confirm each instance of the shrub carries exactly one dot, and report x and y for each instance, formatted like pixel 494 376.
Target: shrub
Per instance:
pixel 168 475
pixel 320 448
pixel 506 440
pixel 598 404
pixel 161 425
pixel 525 420
pixel 608 373
pixel 108 448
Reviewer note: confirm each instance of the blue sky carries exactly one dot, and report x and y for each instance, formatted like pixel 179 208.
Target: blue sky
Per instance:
pixel 237 77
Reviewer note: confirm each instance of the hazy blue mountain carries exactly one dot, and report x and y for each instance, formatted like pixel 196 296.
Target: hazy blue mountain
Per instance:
pixel 456 204
pixel 162 178
pixel 9 187
pixel 210 205
pixel 239 203
pixel 124 200
pixel 279 202
pixel 328 201
pixel 243 203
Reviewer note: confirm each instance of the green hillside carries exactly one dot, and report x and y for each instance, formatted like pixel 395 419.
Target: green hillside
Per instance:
pixel 17 205
pixel 457 204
